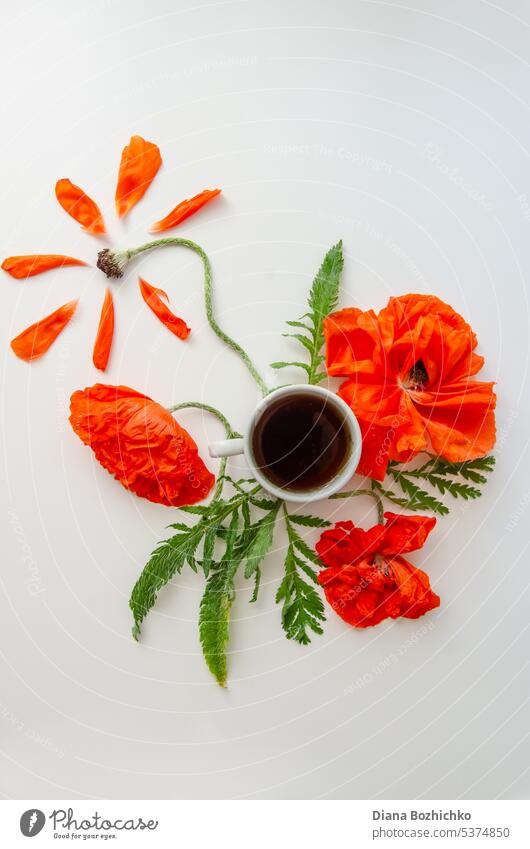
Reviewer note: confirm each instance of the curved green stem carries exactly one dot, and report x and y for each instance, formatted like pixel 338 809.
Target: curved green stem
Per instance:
pixel 230 434
pixel 373 493
pixel 208 299
pixel 379 501
pixel 198 405
pixel 352 492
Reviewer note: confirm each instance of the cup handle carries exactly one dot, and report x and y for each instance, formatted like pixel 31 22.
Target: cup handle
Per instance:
pixel 226 448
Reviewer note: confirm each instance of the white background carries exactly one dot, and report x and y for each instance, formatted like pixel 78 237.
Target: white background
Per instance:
pixel 401 128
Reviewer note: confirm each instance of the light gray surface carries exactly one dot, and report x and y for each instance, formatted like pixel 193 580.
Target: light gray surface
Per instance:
pixel 402 129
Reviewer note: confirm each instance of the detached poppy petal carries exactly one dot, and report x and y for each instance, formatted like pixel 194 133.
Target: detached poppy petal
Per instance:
pixel 103 343
pixel 184 209
pixel 152 298
pixel 33 342
pixel 140 443
pixel 80 206
pixel 139 164
pixel 27 266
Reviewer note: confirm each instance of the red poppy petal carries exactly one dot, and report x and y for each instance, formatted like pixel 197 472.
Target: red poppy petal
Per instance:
pixel 184 210
pixel 80 206
pixel 460 419
pixel 103 343
pixel 414 588
pixel 405 533
pixel 140 161
pixel 352 338
pixel 35 340
pixel 27 266
pixel 151 297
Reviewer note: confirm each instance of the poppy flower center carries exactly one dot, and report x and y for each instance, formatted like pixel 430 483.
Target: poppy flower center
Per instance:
pixel 417 377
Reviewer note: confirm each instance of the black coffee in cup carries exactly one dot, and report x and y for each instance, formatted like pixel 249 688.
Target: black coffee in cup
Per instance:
pixel 301 442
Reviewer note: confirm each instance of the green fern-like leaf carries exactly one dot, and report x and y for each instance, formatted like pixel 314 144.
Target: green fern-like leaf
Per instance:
pixel 302 608
pixel 214 612
pixel 417 498
pixel 322 300
pixel 167 560
pixel 309 521
pixel 260 542
pixel 454 488
pixel 441 476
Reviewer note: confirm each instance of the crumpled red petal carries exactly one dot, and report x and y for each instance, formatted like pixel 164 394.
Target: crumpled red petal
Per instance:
pixel 103 343
pixel 405 533
pixel 35 340
pixel 80 206
pixel 152 298
pixel 140 443
pixel 140 161
pixel 184 210
pixel 27 266
pixel 366 579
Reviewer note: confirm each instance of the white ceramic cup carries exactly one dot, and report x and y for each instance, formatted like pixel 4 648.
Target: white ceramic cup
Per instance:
pixel 230 447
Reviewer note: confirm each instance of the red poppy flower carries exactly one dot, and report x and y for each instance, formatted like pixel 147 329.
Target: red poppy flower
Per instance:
pixel 141 444
pixel 140 161
pixel 410 371
pixel 367 579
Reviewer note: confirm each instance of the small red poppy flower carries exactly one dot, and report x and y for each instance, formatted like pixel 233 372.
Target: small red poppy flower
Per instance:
pixel 368 579
pixel 140 443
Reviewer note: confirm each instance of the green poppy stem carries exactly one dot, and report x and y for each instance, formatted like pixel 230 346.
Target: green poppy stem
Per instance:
pixel 208 298
pixel 230 434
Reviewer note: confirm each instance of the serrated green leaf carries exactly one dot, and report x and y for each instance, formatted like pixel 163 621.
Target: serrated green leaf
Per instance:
pixel 299 324
pixel 308 553
pixel 306 568
pixel 257 581
pixel 324 293
pixel 260 542
pixel 208 549
pixel 472 470
pixel 441 475
pixel 455 488
pixel 279 365
pixel 302 609
pixel 309 521
pixel 417 498
pixel 322 300
pixel 216 603
pixel 262 503
pixel 167 559
pixel 245 512
pixel 303 340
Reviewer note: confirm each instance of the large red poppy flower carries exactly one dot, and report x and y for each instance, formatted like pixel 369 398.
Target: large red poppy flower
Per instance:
pixel 409 381
pixel 140 161
pixel 368 579
pixel 141 444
